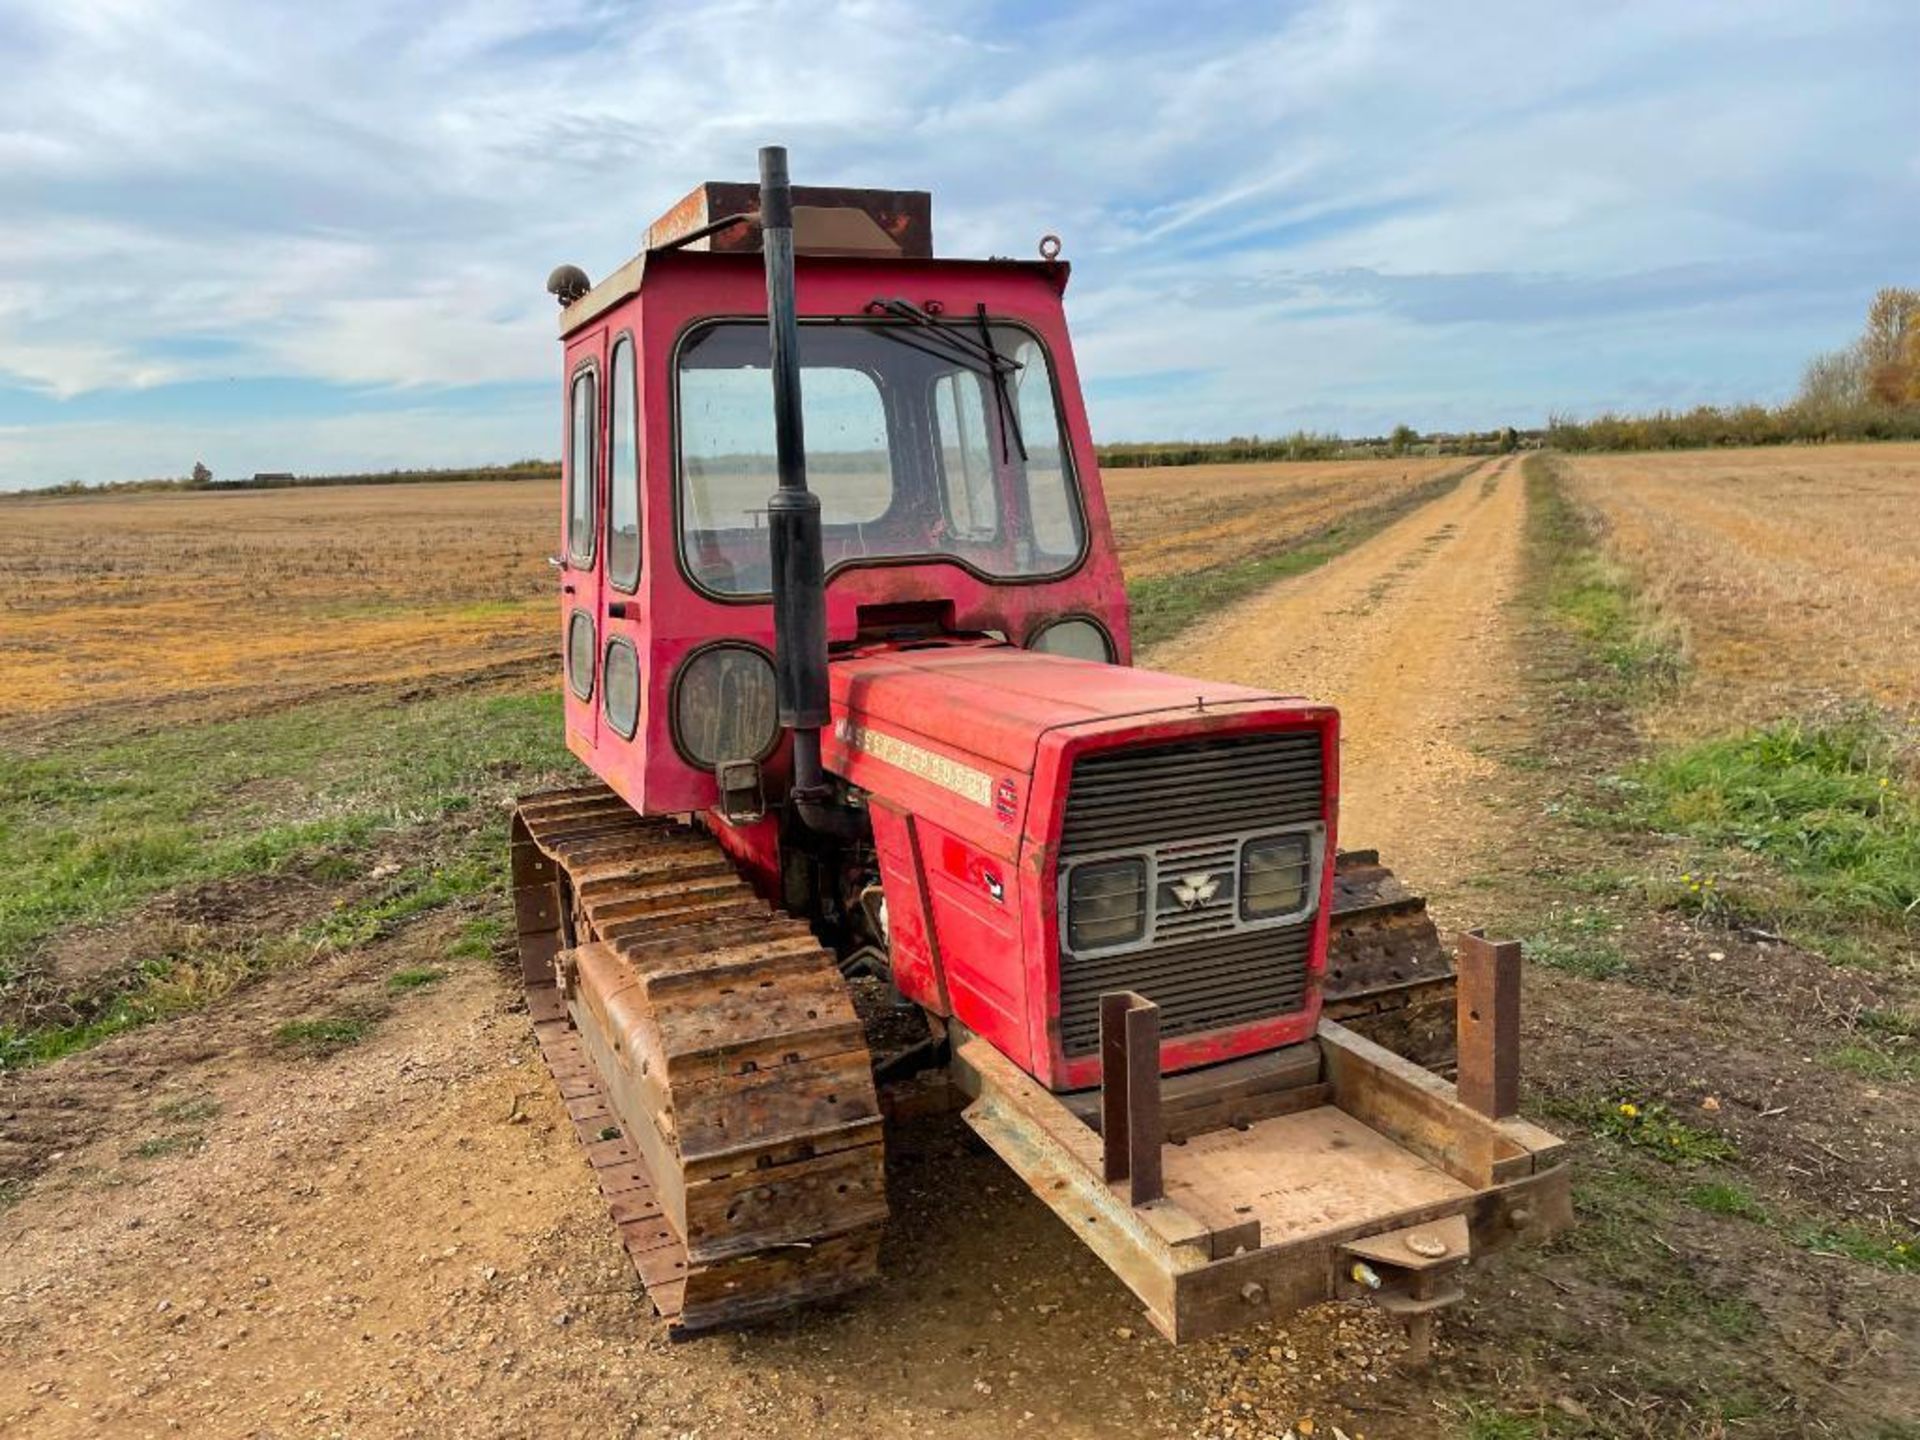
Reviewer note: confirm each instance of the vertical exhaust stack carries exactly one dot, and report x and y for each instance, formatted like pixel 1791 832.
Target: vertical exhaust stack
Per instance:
pixel 793 514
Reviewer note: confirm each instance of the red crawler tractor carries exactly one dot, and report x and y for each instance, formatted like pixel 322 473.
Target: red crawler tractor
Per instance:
pixel 846 643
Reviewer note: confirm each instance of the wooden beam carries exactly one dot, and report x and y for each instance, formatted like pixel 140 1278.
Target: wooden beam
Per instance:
pixel 1489 1024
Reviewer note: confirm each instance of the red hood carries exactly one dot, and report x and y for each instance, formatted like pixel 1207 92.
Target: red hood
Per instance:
pixel 995 702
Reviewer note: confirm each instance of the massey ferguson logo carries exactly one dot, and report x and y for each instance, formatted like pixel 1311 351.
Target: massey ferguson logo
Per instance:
pixel 1193 891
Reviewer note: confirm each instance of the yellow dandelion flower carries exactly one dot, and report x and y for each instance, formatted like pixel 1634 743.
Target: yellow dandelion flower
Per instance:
pixel 1629 1109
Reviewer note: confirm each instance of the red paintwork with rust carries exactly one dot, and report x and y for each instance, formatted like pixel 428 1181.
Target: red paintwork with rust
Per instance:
pixel 668 616
pixel 1019 720
pixel 999 713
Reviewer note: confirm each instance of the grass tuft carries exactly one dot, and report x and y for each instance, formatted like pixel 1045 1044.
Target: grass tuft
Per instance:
pixel 1485 1422
pixel 1872 1062
pixel 1579 941
pixel 159 1146
pixel 478 937
pixel 188 1111
pixel 1728 1198
pixel 414 978
pixel 316 1039
pixel 1654 1129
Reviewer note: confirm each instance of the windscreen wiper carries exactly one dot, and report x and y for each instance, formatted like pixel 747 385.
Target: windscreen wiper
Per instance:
pixel 1009 417
pixel 955 344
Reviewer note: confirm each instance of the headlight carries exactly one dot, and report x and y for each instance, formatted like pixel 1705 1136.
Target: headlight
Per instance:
pixel 1076 639
pixel 1106 904
pixel 1276 876
pixel 723 705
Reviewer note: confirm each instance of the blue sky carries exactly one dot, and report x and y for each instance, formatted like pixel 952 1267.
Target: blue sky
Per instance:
pixel 314 237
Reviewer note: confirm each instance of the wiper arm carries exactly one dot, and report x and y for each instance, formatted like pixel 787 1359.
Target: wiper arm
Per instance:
pixel 959 340
pixel 945 342
pixel 1009 417
pixel 966 359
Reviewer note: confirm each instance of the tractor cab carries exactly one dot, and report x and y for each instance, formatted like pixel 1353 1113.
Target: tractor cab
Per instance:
pixel 944 436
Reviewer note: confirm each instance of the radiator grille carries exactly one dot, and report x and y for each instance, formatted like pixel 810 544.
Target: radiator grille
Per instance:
pixel 1187 806
pixel 1126 799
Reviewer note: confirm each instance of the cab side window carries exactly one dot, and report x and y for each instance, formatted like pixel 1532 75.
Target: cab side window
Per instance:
pixel 623 471
pixel 584 409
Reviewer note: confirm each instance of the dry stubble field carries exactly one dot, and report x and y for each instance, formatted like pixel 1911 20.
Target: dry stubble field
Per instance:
pixel 278 1160
pixel 1797 571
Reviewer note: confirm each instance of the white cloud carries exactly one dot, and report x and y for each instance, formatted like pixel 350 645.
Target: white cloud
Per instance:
pixel 368 195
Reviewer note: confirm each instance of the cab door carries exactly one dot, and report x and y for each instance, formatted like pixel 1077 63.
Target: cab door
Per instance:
pixel 580 558
pixel 623 641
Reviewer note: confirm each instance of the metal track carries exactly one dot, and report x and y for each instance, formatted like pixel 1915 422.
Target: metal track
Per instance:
pixel 709 1057
pixel 1388 976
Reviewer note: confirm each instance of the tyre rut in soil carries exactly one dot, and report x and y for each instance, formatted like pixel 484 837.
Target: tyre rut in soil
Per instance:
pixel 709 1057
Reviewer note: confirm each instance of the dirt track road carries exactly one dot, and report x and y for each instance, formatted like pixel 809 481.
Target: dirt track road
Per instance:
pixel 1406 635
pixel 403 1240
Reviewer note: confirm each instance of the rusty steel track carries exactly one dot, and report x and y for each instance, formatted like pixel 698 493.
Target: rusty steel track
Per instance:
pixel 1388 975
pixel 709 1057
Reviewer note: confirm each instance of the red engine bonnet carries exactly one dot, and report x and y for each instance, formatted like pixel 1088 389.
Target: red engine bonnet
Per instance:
pixel 966 752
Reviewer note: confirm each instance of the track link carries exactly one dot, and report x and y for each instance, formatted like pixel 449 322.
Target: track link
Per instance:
pixel 1388 976
pixel 709 1057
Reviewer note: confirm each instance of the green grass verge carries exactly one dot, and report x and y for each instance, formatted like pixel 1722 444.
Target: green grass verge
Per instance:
pixel 1822 802
pixel 1640 651
pixel 1805 825
pixel 1167 604
pixel 92 831
pixel 96 831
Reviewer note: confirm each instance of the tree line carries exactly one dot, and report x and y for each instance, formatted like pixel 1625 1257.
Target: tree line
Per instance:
pixel 1866 390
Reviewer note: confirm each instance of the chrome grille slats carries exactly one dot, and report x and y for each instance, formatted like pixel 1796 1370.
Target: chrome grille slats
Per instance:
pixel 1188 806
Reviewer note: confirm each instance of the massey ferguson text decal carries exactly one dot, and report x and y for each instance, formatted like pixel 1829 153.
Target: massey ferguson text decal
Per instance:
pixel 962 780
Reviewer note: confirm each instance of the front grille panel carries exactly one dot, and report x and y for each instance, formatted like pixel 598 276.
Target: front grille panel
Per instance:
pixel 1188 805
pixel 1146 798
pixel 1200 985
